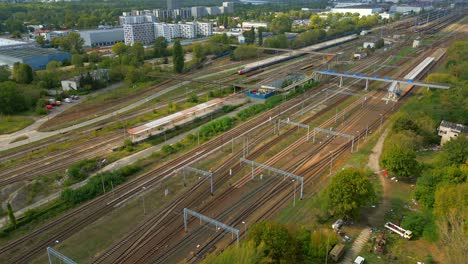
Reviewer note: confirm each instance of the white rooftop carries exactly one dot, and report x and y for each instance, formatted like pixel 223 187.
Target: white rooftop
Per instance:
pixel 9 42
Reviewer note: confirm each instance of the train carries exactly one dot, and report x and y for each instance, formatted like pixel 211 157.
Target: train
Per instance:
pixel 294 54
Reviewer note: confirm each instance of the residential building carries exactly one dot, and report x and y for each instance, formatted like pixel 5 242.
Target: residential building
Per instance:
pixel 168 31
pixel 125 20
pixel 143 33
pixel 204 28
pixel 173 4
pixel 198 11
pixel 448 130
pixel 162 14
pixel 213 10
pixel 182 13
pixel 37 58
pixel 188 30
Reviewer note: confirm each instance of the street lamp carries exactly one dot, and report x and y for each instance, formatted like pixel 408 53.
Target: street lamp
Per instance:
pixel 245 226
pixel 294 186
pixel 357 143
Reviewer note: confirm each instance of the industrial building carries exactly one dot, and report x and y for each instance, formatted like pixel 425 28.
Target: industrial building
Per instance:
pixel 6 43
pixel 37 58
pixel 159 126
pixel 102 37
pixel 361 10
pixel 406 9
pixel 249 25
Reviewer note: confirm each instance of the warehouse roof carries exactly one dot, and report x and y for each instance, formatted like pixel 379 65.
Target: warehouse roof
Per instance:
pixel 28 52
pixel 8 42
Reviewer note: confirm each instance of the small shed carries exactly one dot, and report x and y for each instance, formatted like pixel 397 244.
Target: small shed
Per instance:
pixel 337 251
pixel 416 43
pixel 369 45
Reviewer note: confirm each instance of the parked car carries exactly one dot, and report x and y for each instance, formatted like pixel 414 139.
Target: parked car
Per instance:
pixel 67 100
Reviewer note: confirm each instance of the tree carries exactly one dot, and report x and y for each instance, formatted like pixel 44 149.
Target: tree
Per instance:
pixel 11 216
pixel 198 53
pixel 280 41
pixel 451 218
pixel 72 43
pixel 77 60
pixel 119 48
pixel 276 239
pixel 401 160
pixel 246 52
pixel 5 73
pixel 260 35
pixel 16 34
pixel 178 57
pixel 455 151
pixel 379 44
pixel 249 36
pixel 22 73
pixel 160 47
pixel 348 191
pixel 53 65
pixel 41 41
pixel 48 80
pixel 281 24
pixel 137 53
pixel 11 99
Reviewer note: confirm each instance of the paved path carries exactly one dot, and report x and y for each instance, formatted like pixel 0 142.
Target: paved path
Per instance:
pixel 115 166
pixel 35 135
pixel 358 244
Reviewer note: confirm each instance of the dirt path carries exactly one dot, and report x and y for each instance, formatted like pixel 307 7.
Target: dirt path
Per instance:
pixel 377 217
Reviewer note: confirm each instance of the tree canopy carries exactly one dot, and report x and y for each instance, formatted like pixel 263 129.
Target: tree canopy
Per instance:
pixel 160 47
pixel 400 160
pixel 22 73
pixel 348 191
pixel 178 57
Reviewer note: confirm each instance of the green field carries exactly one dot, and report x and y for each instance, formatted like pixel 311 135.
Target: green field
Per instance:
pixel 10 124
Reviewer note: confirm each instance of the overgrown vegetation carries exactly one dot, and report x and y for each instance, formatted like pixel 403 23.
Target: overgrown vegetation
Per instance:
pixel 73 197
pixel 270 242
pixel 441 182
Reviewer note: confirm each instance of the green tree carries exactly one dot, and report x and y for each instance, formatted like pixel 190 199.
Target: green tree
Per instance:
pixel 53 65
pixel 276 240
pixel 455 151
pixel 246 52
pixel 178 57
pixel 249 36
pixel 41 41
pixel 278 42
pixel 160 47
pixel 48 80
pixel 400 160
pixel 281 24
pixel 198 53
pixel 260 35
pixel 5 73
pixel 77 60
pixel 348 191
pixel 11 216
pixel 22 73
pixel 72 43
pixel 137 53
pixel 119 48
pixel 16 34
pixel 451 218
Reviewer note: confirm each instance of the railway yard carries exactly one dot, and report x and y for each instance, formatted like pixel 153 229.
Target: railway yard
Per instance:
pixel 310 134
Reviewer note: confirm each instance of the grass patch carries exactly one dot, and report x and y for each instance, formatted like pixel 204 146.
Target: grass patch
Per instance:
pixel 20 138
pixel 10 124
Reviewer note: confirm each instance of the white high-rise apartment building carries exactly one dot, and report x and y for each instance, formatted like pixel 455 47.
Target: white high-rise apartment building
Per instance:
pixel 143 33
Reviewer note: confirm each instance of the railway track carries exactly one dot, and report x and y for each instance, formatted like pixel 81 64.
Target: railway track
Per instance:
pixel 89 212
pixel 137 233
pixel 145 257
